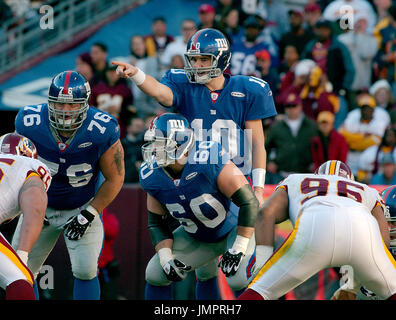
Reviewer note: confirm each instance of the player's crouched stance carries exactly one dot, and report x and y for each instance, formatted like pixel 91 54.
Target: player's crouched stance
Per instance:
pixel 194 182
pixel 23 184
pixel 337 221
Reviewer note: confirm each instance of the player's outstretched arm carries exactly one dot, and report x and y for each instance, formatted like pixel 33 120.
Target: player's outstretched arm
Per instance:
pixel 146 83
pixel 33 203
pixel 112 166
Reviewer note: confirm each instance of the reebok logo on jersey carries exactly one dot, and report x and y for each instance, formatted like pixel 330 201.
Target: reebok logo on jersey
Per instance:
pixel 191 175
pixel 84 145
pixel 237 94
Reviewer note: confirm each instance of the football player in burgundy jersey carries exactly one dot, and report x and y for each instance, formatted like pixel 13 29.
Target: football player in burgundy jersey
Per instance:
pixel 24 181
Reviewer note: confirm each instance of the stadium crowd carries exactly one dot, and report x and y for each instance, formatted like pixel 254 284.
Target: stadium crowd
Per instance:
pixel 332 76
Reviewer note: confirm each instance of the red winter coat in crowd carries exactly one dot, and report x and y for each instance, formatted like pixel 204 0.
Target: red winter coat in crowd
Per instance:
pixel 337 149
pixel 111 229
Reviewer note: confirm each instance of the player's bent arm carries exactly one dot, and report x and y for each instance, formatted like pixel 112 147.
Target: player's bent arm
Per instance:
pixel 148 84
pixel 259 156
pixel 233 184
pixel 274 211
pixel 378 214
pixel 33 203
pixel 160 234
pixel 112 166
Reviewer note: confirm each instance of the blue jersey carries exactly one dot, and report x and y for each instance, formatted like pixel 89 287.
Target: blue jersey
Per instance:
pixel 194 199
pixel 243 60
pixel 223 120
pixel 74 168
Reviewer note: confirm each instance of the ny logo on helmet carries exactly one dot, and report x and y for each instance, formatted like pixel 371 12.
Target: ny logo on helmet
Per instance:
pixel 222 44
pixel 176 125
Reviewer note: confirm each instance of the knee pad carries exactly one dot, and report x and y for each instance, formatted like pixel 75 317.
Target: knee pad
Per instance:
pixel 155 274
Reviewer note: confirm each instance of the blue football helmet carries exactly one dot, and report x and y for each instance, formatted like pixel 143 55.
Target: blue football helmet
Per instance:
pixel 68 87
pixel 169 138
pixel 207 42
pixel 389 196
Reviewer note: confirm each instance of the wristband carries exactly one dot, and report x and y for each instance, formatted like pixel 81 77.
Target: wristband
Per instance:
pixel 240 244
pixel 23 255
pixel 165 254
pixel 139 77
pixel 263 253
pixel 92 210
pixel 258 176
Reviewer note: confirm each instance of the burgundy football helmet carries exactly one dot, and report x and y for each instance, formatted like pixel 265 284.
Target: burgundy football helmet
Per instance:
pixel 336 168
pixel 14 143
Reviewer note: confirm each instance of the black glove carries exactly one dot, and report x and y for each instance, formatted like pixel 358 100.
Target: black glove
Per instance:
pixel 175 270
pixel 230 261
pixel 76 226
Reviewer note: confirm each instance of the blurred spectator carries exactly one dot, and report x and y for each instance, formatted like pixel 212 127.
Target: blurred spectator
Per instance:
pixel 207 17
pixel 386 58
pixel 229 23
pixel 369 162
pixel 382 93
pixel 224 6
pixel 99 60
pixel 288 65
pixel 384 29
pixel 387 174
pixel 266 72
pixel 84 66
pixel 363 128
pixel 277 17
pixel 288 142
pixel 132 144
pixel 109 269
pixel 290 59
pixel 142 103
pixel 362 48
pixel 382 7
pixel 159 39
pixel 328 144
pixel 177 62
pixel 297 36
pixel 5 12
pixel 332 56
pixel 337 9
pixel 243 60
pixel 312 14
pixel 267 36
pixel 188 28
pixel 114 97
pixel 316 95
pixel 294 81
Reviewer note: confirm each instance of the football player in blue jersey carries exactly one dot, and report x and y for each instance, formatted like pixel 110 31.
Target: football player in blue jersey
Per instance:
pixel 77 143
pixel 195 182
pixel 222 108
